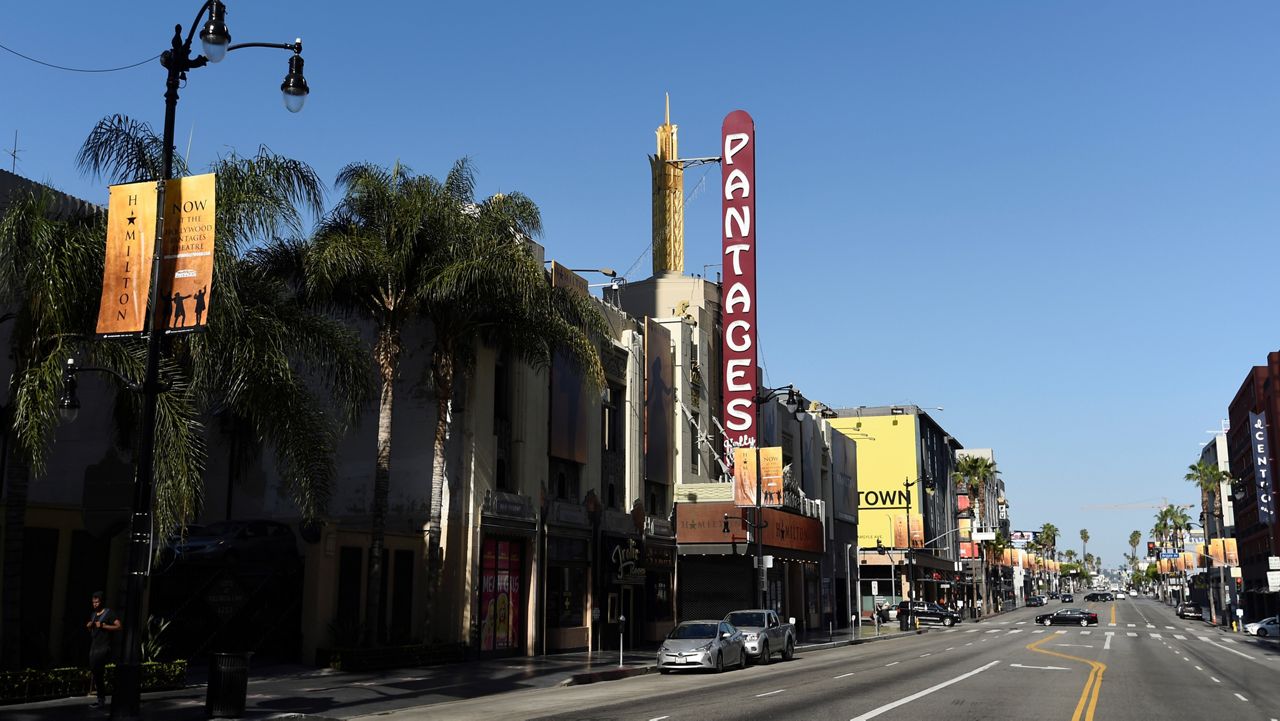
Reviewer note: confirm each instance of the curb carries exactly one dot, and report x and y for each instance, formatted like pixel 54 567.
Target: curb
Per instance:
pixel 613 674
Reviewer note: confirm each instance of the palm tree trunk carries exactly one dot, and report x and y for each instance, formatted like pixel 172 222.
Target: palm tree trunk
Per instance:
pixel 442 376
pixel 387 354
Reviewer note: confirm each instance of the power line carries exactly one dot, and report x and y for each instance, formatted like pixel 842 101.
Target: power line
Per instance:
pixel 76 70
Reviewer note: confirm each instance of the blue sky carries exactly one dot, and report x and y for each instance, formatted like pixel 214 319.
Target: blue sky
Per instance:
pixel 1050 218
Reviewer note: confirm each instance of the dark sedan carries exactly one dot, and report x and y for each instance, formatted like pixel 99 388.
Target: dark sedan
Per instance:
pixel 1067 598
pixel 1068 617
pixel 1035 601
pixel 1099 596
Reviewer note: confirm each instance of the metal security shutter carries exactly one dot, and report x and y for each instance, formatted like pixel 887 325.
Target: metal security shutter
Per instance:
pixel 711 586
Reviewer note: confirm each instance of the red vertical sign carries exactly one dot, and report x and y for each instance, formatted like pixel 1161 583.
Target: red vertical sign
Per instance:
pixel 738 308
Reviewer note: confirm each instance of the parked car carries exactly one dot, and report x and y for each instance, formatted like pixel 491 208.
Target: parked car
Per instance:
pixel 928 611
pixel 1036 601
pixel 1266 627
pixel 1190 610
pixel 1068 617
pixel 764 634
pixel 702 645
pixel 1099 596
pixel 233 541
pixel 1067 598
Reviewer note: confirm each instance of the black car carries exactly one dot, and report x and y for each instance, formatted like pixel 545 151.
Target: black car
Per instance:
pixel 1036 601
pixel 1068 617
pixel 1099 596
pixel 926 611
pixel 1190 610
pixel 1067 598
pixel 1054 595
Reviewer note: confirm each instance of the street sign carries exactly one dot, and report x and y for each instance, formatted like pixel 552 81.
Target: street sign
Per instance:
pixel 768 562
pixel 1273 580
pixel 1168 554
pixel 875 588
pixel 984 535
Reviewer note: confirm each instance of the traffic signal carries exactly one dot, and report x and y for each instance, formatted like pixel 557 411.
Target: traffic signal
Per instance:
pixel 726 523
pixel 1151 549
pixel 880 547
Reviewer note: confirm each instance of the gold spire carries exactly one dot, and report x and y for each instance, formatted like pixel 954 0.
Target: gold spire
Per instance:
pixel 668 200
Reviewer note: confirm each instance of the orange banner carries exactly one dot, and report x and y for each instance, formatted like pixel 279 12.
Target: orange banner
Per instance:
pixel 187 273
pixel 744 476
pixel 771 476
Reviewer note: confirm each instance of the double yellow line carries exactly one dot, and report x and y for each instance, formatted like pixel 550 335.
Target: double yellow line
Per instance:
pixel 1089 695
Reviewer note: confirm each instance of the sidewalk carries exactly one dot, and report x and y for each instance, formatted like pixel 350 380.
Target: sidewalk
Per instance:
pixel 310 694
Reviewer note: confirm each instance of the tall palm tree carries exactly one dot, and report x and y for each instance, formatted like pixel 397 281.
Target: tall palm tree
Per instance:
pixel 1134 539
pixel 1209 479
pixel 401 247
pixel 974 473
pixel 1049 537
pixel 1084 539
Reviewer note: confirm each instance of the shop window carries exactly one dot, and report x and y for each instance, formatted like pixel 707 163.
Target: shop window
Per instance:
pixel 566 596
pixel 502 584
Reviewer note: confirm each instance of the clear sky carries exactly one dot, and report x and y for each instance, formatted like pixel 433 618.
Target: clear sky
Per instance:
pixel 1050 218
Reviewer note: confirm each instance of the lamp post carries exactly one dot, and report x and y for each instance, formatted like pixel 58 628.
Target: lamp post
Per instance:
pixel 177 60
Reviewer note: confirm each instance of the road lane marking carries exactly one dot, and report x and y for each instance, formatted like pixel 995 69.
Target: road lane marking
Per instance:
pixel 972 630
pixel 1113 615
pixel 1107 646
pixel 1085 633
pixel 1232 650
pixel 969 644
pixel 895 663
pixel 1211 678
pixel 1113 623
pixel 1179 637
pixel 1041 668
pixel 1130 625
pixel 1074 645
pixel 925 654
pixel 1151 625
pixel 1170 628
pixel 1155 635
pixel 1040 631
pixel 951 648
pixel 659 718
pixel 1088 702
pixel 770 693
pixel 1131 634
pixel 1242 698
pixel 921 694
pixel 1199 669
pixel 843 675
pixel 1020 623
pixel 1203 638
pixel 1016 630
pixel 1059 632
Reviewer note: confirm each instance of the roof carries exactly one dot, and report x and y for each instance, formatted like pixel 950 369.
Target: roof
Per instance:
pixel 64 206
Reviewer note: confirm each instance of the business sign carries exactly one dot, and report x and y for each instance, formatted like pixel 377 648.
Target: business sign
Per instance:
pixel 1020 539
pixel 186 273
pixel 738 306
pixel 703 522
pixel 1262 467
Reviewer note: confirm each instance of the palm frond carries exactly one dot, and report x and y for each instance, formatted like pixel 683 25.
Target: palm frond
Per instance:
pixel 123 150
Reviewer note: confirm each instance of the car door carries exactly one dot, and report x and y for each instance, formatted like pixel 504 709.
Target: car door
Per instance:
pixel 730 650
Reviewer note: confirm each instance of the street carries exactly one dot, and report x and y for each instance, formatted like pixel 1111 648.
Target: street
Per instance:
pixel 1140 662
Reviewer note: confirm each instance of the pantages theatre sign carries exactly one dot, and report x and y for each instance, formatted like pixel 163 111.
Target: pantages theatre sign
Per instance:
pixel 738 310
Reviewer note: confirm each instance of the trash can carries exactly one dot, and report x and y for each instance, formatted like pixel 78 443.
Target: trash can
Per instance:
pixel 228 685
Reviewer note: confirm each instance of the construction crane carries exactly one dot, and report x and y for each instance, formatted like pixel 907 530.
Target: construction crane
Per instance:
pixel 1141 504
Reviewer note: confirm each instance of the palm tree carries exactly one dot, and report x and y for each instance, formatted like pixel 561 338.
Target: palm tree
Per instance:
pixel 1209 480
pixel 973 473
pixel 1084 539
pixel 401 247
pixel 1049 537
pixel 1134 539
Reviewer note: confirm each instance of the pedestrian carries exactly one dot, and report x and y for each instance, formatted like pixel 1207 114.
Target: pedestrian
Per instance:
pixel 102 623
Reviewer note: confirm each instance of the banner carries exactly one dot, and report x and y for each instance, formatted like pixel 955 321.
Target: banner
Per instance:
pixel 740 377
pixel 1262 467
pixel 771 476
pixel 744 476
pixel 187 273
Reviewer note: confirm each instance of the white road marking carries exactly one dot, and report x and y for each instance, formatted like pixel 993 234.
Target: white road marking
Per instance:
pixel 1040 631
pixel 1130 625
pixel 1203 638
pixel 1154 635
pixel 994 630
pixel 1211 678
pixel 925 654
pixel 951 648
pixel 1060 632
pixel 972 630
pixel 969 644
pixel 1075 645
pixel 1131 634
pixel 1107 646
pixel 659 718
pixel 895 663
pixel 1041 668
pixel 1151 625
pixel 1232 650
pixel 843 675
pixel 1230 640
pixel 770 693
pixel 1020 623
pixel 1242 698
pixel 1013 631
pixel 1111 624
pixel 921 694
pixel 1199 669
pixel 1179 637
pixel 1085 633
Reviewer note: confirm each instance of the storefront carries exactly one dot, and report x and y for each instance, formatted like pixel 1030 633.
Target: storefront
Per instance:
pixel 568 577
pixel 623 581
pixel 508 526
pixel 660 576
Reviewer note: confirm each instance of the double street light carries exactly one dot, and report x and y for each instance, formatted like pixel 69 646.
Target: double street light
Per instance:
pixel 215 39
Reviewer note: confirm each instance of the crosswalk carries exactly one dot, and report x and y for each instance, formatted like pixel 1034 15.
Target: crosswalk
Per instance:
pixel 1190 635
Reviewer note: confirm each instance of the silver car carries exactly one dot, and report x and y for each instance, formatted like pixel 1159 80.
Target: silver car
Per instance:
pixel 702 644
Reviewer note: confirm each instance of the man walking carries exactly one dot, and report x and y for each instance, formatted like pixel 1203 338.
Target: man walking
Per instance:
pixel 102 623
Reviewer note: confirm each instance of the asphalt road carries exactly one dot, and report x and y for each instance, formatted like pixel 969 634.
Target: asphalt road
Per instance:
pixel 1148 665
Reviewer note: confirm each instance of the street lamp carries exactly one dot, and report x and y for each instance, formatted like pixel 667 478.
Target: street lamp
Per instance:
pixel 215 39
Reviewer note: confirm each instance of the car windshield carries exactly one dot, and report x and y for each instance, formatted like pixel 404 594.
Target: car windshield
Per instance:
pixel 746 619
pixel 694 630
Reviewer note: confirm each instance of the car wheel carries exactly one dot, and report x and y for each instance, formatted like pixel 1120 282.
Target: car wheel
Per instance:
pixel 720 662
pixel 764 653
pixel 1262 632
pixel 789 652
pixel 1047 622
pixel 742 658
pixel 948 622
pixel 1084 622
pixel 664 671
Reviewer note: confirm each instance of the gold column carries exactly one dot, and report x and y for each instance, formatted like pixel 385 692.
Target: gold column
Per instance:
pixel 668 201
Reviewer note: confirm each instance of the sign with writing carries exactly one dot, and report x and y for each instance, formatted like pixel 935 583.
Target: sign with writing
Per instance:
pixel 704 523
pixel 738 309
pixel 1262 466
pixel 771 476
pixel 1273 580
pixel 745 462
pixel 625 565
pixel 186 273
